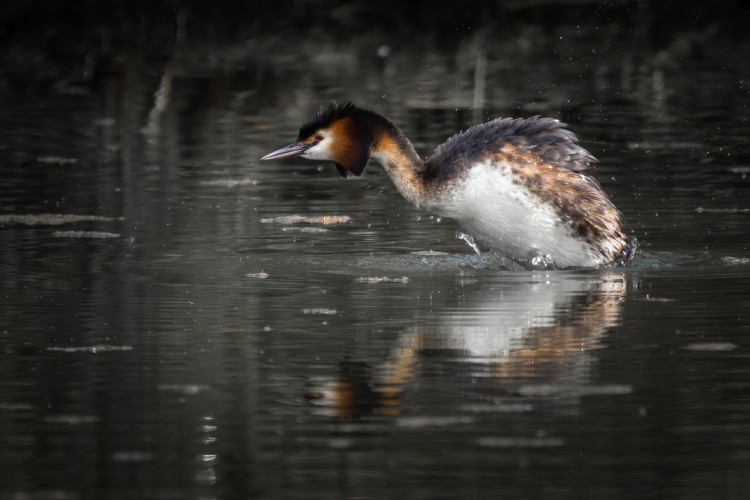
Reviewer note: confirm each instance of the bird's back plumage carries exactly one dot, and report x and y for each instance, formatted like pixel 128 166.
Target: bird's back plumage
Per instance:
pixel 544 139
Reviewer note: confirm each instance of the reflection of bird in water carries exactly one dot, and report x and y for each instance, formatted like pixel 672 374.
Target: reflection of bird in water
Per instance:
pixel 524 187
pixel 534 332
pixel 350 394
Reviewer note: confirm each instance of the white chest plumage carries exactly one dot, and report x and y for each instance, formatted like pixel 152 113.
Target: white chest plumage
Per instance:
pixel 503 214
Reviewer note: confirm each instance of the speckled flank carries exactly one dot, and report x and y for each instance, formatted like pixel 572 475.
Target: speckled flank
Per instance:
pixel 577 198
pixel 546 159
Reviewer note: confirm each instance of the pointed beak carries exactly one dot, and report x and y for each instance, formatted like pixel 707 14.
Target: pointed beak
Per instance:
pixel 295 149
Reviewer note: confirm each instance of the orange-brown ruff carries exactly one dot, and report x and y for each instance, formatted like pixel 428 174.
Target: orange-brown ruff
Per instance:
pixel 523 187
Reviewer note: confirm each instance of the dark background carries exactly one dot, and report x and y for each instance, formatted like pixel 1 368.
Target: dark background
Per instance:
pixel 114 349
pixel 44 40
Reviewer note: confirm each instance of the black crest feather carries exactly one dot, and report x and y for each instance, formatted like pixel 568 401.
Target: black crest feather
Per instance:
pixel 327 114
pixel 353 149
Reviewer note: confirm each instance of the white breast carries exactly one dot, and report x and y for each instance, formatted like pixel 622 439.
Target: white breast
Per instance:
pixel 510 219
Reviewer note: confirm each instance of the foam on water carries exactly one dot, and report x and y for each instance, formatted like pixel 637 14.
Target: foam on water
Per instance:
pixel 51 219
pixel 433 421
pixel 382 279
pixel 93 349
pixel 305 219
pixel 711 346
pixel 519 442
pixel 230 183
pixel 85 234
pixel 555 390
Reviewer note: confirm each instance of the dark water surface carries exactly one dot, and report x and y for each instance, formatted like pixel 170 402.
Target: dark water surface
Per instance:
pixel 180 320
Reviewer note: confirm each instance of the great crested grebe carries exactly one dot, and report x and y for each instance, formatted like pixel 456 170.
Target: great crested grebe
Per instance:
pixel 523 187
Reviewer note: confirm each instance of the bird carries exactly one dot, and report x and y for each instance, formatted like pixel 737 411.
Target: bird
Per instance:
pixel 523 187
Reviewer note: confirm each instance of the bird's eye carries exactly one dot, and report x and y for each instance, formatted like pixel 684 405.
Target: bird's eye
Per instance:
pixel 319 137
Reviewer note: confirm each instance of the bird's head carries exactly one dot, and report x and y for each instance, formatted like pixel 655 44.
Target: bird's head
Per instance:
pixel 340 133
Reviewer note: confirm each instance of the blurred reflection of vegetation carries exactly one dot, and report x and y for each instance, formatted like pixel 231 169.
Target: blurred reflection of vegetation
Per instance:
pixel 46 40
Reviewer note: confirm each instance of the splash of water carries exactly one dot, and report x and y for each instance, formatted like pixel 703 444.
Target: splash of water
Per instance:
pixel 469 241
pixel 543 262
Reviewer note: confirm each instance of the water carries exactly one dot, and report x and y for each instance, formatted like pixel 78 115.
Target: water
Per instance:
pixel 180 320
